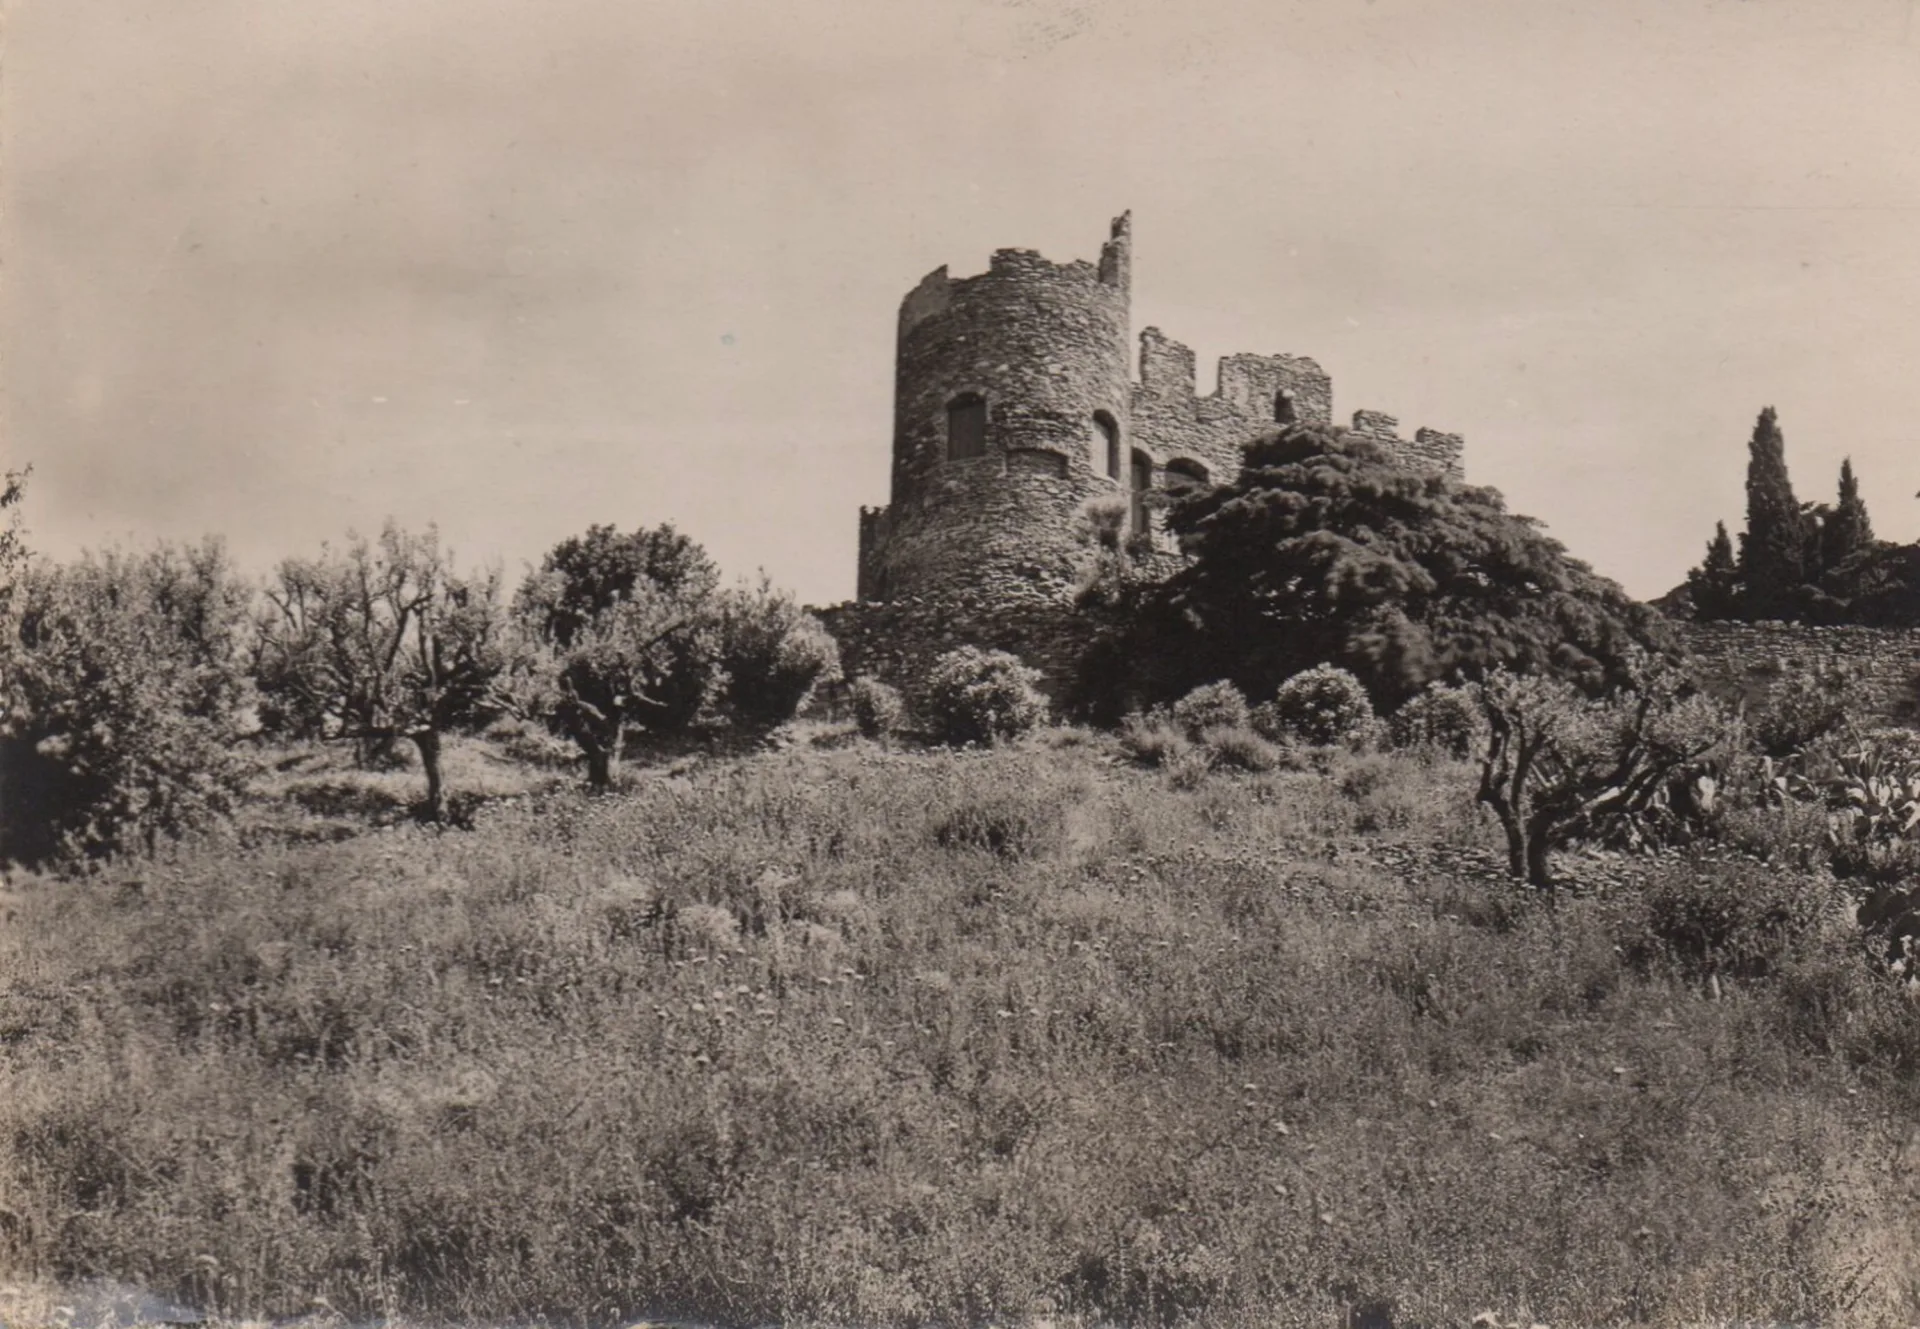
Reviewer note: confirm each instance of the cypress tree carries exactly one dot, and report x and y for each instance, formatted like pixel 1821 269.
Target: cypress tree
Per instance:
pixel 1773 549
pixel 1848 531
pixel 1715 584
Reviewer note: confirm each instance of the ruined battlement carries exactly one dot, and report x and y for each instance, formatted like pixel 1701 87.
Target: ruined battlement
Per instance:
pixel 1018 418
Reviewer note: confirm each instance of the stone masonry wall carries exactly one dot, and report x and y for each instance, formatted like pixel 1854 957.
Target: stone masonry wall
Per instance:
pixel 1172 423
pixel 1044 345
pixel 1428 447
pixel 994 527
pixel 1744 660
pixel 898 640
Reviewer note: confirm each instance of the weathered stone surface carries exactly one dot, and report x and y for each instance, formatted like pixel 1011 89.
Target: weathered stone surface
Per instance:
pixel 1746 659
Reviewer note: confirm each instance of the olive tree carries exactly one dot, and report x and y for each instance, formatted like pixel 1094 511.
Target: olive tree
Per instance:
pixel 1557 764
pixel 381 641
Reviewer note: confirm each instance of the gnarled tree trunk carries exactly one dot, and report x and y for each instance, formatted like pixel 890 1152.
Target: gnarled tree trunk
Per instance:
pixel 428 741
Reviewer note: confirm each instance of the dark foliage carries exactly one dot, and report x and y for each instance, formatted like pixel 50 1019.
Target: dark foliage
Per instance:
pixel 1326 550
pixel 1773 549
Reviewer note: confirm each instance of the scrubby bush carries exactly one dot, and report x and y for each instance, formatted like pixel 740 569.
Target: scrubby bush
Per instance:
pixel 977 696
pixel 1321 706
pixel 1440 718
pixel 877 708
pixel 1803 707
pixel 122 694
pixel 1237 747
pixel 1211 706
pixel 772 653
pixel 1733 920
pixel 1153 739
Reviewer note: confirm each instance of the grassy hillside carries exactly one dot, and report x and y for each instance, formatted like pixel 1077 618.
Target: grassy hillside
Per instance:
pixel 857 1035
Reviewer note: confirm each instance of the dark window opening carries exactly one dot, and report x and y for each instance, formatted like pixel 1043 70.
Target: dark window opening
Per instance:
pixel 1283 411
pixel 1110 435
pixel 966 427
pixel 1183 475
pixel 1142 482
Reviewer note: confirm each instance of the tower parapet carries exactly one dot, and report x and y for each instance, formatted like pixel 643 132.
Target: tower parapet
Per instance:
pixel 1011 410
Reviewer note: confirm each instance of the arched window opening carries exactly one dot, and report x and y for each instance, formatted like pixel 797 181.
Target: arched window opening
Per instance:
pixel 1184 475
pixel 1109 430
pixel 1137 496
pixel 1283 411
pixel 966 426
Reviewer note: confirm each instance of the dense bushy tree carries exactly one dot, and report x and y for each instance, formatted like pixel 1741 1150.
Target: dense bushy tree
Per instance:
pixel 586 575
pixel 632 632
pixel 1819 564
pixel 1847 532
pixel 383 641
pixel 1326 549
pixel 1773 550
pixel 13 550
pixel 122 694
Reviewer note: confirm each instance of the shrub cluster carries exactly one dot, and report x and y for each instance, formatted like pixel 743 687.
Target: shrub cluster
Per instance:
pixel 1321 707
pixel 1440 718
pixel 979 696
pixel 877 708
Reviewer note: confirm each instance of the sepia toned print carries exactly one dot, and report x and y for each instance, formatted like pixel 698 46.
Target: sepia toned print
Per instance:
pixel 684 664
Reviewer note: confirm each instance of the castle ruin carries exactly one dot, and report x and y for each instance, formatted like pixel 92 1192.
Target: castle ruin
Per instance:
pixel 1015 417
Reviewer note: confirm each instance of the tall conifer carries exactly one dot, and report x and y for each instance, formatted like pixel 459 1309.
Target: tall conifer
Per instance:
pixel 1848 530
pixel 1715 584
pixel 1773 549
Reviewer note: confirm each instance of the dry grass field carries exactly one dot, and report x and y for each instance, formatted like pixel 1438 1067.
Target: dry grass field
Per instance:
pixel 848 1033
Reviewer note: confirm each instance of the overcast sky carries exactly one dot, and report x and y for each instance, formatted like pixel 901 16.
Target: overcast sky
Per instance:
pixel 276 269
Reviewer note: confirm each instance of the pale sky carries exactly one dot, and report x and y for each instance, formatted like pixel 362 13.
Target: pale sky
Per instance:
pixel 278 268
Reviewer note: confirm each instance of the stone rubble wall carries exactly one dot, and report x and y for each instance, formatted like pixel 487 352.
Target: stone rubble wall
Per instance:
pixel 1171 422
pixel 898 640
pixel 1430 448
pixel 1745 660
pixel 1045 346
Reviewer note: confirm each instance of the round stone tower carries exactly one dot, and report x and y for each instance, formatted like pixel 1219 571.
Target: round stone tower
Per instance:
pixel 1011 413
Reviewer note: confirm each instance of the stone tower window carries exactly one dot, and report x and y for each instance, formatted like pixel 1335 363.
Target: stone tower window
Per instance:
pixel 1109 430
pixel 1137 495
pixel 966 426
pixel 1283 411
pixel 1183 475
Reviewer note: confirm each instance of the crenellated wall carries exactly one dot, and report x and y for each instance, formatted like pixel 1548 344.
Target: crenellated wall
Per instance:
pixel 1171 422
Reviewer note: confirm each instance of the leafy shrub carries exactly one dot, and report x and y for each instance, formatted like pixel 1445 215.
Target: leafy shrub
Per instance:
pixel 1152 739
pixel 1803 707
pixel 1211 706
pixel 122 690
pixel 1440 719
pixel 1323 705
pixel 976 696
pixel 877 708
pixel 772 653
pixel 1237 747
pixel 1736 919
